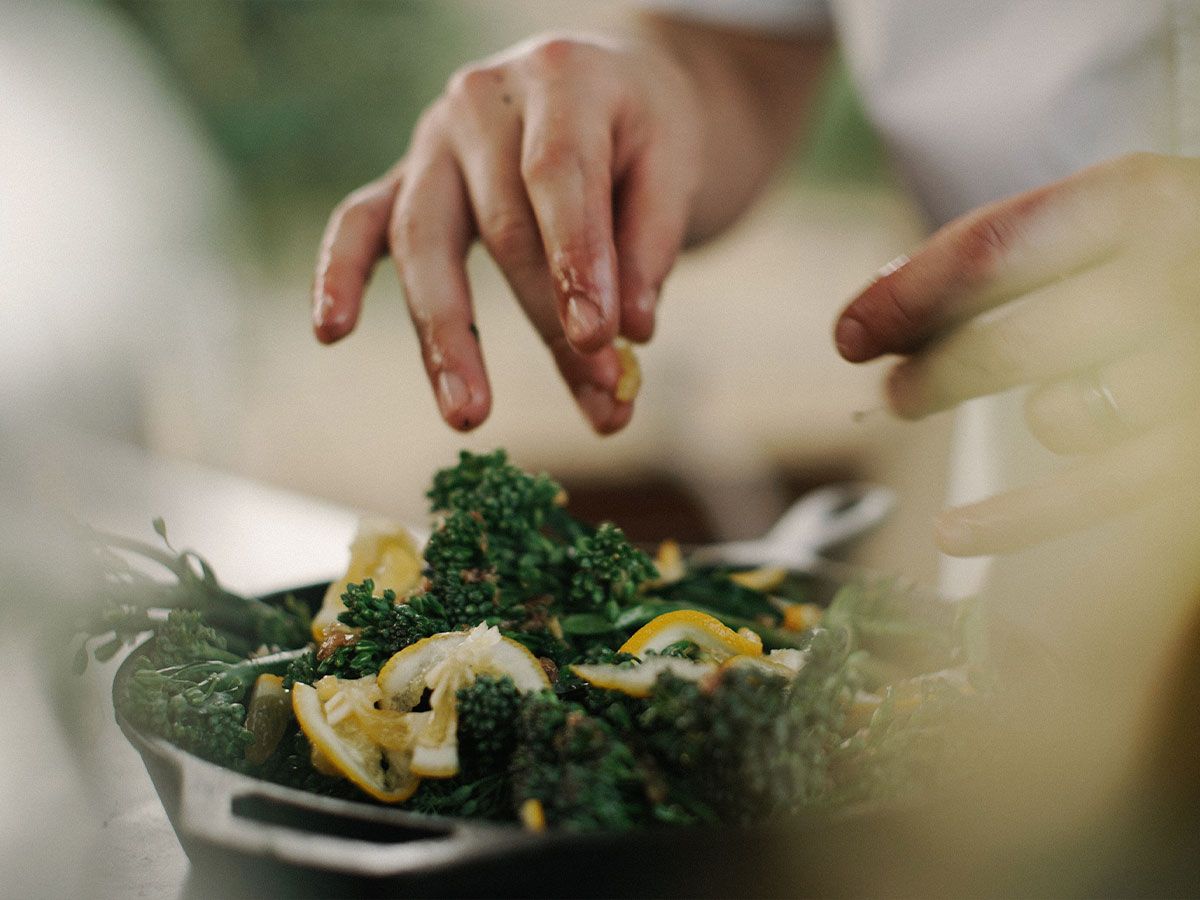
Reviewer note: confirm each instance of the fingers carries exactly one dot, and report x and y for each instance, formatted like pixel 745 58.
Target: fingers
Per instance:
pixel 979 261
pixel 1126 477
pixel 1068 325
pixel 354 240
pixel 489 151
pixel 652 207
pixel 429 234
pixel 566 159
pixel 1088 412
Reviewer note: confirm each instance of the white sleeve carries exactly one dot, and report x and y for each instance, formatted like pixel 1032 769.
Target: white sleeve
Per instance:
pixel 758 15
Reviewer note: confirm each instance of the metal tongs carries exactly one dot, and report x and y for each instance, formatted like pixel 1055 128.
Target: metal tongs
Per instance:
pixel 819 521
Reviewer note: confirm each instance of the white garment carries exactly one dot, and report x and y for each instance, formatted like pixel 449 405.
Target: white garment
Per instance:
pixel 981 99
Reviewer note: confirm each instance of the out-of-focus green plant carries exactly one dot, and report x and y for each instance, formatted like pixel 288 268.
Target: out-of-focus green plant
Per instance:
pixel 305 100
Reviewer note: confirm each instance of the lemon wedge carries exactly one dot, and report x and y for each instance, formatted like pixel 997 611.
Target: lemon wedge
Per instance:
pixel 331 715
pixel 442 664
pixel 703 630
pixel 638 681
pixel 384 552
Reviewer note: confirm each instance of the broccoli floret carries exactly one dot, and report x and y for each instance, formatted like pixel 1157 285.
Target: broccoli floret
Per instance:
pixel 184 638
pixel 487 729
pixel 517 516
pixel 755 744
pixel 507 500
pixel 608 570
pixel 380 627
pixel 585 777
pixel 129 596
pixel 303 669
pixel 459 544
pixel 484 797
pixel 196 706
pixel 467 602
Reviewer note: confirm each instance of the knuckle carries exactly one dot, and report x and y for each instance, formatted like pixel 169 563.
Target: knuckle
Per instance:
pixel 554 53
pixel 354 209
pixel 468 86
pixel 1002 354
pixel 1047 420
pixel 548 156
pixel 1162 191
pixel 983 242
pixel 508 235
pixel 429 123
pixel 1139 168
pixel 893 308
pixel 407 235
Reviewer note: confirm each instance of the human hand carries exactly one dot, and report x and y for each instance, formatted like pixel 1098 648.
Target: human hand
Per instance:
pixel 1088 291
pixel 562 156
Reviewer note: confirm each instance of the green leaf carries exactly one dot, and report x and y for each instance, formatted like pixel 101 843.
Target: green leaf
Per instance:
pixel 586 624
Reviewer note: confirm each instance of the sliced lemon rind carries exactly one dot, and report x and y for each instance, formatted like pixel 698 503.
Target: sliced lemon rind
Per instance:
pixel 706 631
pixel 339 753
pixel 639 680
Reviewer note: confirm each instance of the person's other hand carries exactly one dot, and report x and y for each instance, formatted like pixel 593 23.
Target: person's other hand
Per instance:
pixel 561 156
pixel 1088 290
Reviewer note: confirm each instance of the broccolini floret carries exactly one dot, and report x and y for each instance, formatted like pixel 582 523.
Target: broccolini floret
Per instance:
pixel 487 725
pixel 379 627
pixel 184 638
pixel 198 705
pixel 580 770
pixel 754 744
pixel 525 533
pixel 129 597
pixel 608 570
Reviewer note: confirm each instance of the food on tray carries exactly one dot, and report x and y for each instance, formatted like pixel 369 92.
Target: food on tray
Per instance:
pixel 528 667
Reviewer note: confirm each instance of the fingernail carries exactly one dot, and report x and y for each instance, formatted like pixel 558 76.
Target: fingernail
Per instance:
pixel 901 392
pixel 453 393
pixel 329 322
pixel 583 319
pixel 889 268
pixel 596 404
pixel 647 301
pixel 952 534
pixel 851 339
pixel 320 311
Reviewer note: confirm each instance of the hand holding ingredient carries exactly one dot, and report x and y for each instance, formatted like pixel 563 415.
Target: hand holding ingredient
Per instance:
pixel 1086 291
pixel 582 165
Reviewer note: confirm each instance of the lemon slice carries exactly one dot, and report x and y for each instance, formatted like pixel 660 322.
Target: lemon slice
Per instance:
pixel 802 616
pixel 669 563
pixel 442 664
pixel 770 664
pixel 382 551
pixel 267 716
pixel 327 716
pixel 703 630
pixel 765 579
pixel 638 681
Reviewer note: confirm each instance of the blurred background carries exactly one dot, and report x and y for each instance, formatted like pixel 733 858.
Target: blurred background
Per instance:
pixel 169 168
pixel 166 169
